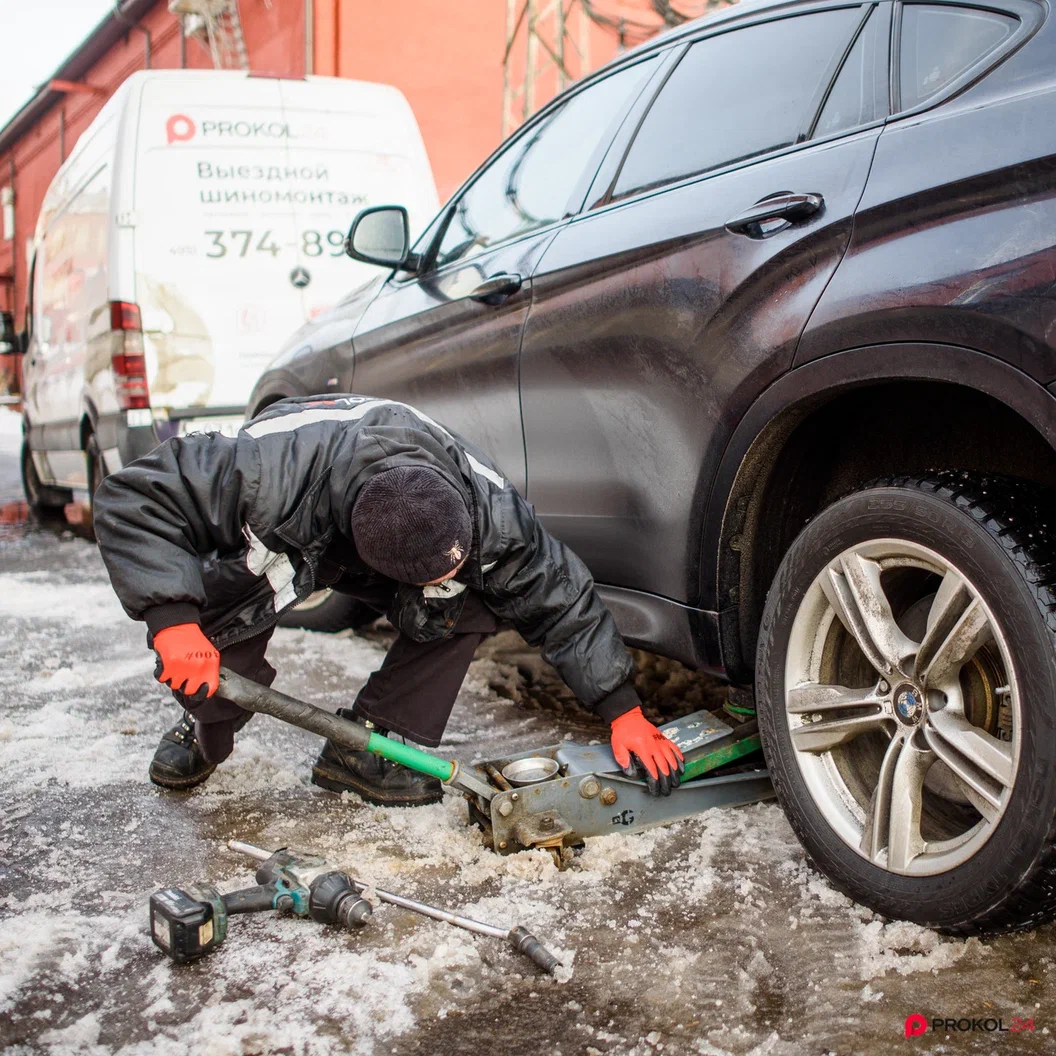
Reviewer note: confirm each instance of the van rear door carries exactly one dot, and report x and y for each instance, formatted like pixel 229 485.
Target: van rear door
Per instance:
pixel 244 190
pixel 214 237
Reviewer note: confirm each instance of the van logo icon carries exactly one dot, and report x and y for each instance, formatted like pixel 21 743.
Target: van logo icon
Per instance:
pixel 300 277
pixel 179 128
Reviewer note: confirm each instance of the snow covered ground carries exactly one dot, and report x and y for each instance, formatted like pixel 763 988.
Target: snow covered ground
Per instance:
pixel 713 936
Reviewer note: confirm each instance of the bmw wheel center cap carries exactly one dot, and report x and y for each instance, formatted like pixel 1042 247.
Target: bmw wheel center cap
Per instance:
pixel 909 704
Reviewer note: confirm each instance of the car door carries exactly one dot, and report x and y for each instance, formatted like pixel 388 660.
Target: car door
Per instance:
pixel 666 306
pixel 447 339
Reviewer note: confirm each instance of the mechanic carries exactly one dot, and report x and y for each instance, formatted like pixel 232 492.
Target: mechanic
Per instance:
pixel 209 539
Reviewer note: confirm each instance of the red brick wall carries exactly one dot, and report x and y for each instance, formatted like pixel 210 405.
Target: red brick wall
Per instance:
pixel 275 41
pixel 447 59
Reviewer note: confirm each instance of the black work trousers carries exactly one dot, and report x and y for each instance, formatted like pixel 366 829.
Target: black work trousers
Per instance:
pixel 411 694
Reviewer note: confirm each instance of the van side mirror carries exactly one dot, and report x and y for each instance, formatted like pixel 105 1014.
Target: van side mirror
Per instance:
pixel 10 339
pixel 382 235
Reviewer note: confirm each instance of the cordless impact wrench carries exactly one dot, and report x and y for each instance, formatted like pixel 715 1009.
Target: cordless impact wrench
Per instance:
pixel 187 923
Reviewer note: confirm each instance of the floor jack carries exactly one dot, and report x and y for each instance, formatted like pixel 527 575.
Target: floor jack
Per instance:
pixel 550 798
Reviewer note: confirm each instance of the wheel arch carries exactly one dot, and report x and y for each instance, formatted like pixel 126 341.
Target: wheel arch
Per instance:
pixel 264 403
pixel 270 388
pixel 896 408
pixel 89 418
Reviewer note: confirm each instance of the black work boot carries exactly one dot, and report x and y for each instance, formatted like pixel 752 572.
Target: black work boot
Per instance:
pixel 178 763
pixel 376 780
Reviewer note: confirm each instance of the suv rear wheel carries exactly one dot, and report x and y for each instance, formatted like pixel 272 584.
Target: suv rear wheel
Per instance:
pixel 906 684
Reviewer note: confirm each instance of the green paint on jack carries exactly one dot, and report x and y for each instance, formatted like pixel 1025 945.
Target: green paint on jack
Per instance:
pixel 713 760
pixel 412 757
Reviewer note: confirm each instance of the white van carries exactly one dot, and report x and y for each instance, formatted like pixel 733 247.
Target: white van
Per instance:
pixel 200 219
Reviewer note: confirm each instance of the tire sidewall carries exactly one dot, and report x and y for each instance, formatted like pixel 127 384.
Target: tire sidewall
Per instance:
pixel 41 498
pixel 961 895
pixel 96 466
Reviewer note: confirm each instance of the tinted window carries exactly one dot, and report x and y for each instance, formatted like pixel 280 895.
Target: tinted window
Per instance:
pixel 939 43
pixel 735 96
pixel 855 98
pixel 528 186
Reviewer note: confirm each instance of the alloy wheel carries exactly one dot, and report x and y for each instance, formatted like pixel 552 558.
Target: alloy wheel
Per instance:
pixel 903 706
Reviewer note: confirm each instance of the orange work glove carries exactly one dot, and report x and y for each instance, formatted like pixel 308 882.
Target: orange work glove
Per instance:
pixel 639 745
pixel 187 661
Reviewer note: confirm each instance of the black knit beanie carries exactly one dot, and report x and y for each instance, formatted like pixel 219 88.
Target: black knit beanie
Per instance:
pixel 410 524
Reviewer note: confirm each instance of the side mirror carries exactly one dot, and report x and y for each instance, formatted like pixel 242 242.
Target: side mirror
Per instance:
pixel 381 235
pixel 10 338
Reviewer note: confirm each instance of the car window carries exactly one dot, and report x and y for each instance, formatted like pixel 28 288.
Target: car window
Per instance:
pixel 940 42
pixel 854 99
pixel 736 95
pixel 529 184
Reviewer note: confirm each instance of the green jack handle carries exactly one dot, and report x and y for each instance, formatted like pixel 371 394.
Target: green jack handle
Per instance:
pixel 254 697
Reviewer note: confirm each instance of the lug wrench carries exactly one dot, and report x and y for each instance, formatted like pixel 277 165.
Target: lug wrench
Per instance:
pixel 518 936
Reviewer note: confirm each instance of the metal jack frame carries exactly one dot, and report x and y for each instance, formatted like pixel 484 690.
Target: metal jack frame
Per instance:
pixel 588 794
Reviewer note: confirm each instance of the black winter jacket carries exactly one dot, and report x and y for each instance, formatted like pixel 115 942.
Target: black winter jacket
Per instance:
pixel 229 533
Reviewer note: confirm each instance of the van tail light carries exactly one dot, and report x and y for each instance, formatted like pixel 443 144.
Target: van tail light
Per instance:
pixel 128 360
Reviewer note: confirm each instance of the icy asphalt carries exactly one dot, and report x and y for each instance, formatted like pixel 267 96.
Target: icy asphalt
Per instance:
pixel 713 936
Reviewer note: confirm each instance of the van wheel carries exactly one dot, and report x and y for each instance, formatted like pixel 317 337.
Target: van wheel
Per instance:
pixel 906 686
pixel 41 498
pixel 327 610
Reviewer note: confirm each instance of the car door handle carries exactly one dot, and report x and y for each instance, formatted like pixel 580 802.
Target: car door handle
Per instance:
pixel 496 288
pixel 795 208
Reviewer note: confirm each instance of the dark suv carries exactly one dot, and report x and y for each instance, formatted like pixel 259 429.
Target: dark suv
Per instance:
pixel 762 319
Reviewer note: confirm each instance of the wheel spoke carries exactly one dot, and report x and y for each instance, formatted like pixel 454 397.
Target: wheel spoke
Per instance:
pixel 855 592
pixel 859 711
pixel 982 764
pixel 971 631
pixel 877 825
pixel 814 697
pixel 904 839
pixel 951 600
